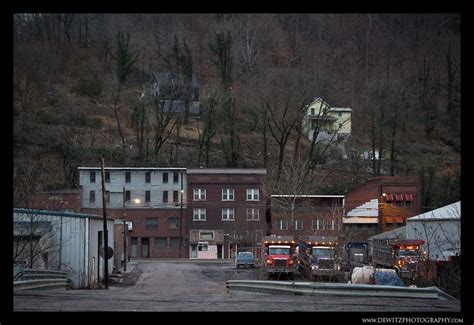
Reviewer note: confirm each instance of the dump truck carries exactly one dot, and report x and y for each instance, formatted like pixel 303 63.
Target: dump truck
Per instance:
pixel 403 255
pixel 356 253
pixel 317 258
pixel 278 255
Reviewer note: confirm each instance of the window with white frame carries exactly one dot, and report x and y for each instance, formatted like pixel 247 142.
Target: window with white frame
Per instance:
pixel 281 224
pixel 297 224
pixel 227 214
pixel 253 214
pixel 206 235
pixel 330 224
pixel 199 194
pixel 319 224
pixel 227 194
pixel 199 214
pixel 252 194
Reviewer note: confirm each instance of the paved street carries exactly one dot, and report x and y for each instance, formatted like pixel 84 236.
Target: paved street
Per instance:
pixel 186 285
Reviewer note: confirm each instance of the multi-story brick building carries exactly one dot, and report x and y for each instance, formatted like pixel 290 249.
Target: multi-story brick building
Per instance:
pixel 226 211
pixel 381 204
pixel 152 202
pixel 306 215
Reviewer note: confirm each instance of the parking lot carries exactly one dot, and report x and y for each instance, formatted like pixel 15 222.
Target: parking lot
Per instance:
pixel 190 285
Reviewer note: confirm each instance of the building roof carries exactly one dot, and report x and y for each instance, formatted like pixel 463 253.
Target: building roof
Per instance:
pixel 368 209
pixel 261 171
pixel 132 168
pixel 57 213
pixel 167 77
pixel 360 220
pixel 399 233
pixel 340 109
pixel 448 212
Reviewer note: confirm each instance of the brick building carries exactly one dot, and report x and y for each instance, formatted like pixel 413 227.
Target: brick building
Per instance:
pixel 306 215
pixel 226 211
pixel 381 204
pixel 68 200
pixel 152 202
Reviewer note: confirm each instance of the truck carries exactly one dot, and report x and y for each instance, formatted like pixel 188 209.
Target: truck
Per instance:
pixel 318 259
pixel 356 253
pixel 278 255
pixel 403 255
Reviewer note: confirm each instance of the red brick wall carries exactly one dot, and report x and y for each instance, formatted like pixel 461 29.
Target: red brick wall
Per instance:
pixel 57 201
pixel 138 216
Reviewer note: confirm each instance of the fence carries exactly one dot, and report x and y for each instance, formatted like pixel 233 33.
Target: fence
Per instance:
pixel 39 279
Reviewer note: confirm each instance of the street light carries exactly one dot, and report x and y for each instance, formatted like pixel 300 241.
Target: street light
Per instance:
pixel 136 201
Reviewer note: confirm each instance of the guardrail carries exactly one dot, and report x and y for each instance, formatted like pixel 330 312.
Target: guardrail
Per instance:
pixel 338 289
pixel 40 279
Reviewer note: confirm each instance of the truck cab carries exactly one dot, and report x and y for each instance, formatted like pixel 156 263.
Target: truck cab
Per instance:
pixel 278 255
pixel 406 255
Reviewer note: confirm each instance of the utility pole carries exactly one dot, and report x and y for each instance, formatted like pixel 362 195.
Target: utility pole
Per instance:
pixel 106 242
pixel 124 234
pixel 181 218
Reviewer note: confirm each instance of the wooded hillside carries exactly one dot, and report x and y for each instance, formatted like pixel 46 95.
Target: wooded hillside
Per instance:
pixel 82 83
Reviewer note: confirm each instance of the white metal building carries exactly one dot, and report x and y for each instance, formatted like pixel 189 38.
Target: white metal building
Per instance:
pixel 65 242
pixel 440 229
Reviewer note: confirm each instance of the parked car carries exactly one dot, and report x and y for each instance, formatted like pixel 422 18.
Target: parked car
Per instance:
pixel 245 259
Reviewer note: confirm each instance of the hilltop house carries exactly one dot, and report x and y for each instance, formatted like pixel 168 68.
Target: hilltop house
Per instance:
pixel 328 123
pixel 174 91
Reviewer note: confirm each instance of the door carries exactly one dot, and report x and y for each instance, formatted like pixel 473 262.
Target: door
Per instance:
pixel 145 247
pixel 133 247
pixel 194 253
pixel 219 251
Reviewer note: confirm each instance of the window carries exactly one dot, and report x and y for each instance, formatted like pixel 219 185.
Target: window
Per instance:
pixel 281 224
pixel 339 114
pixel 160 242
pixel 252 194
pixel 202 247
pixel 173 223
pixel 408 203
pixel 127 196
pixel 175 177
pixel 313 112
pixel 175 196
pixel 297 224
pixel 340 125
pixel 147 196
pixel 253 214
pixel 227 214
pixel 165 196
pixel 330 224
pixel 165 177
pixel 314 224
pixel 151 223
pixel 92 196
pixel 199 194
pixel 228 194
pixel 147 177
pixel 199 214
pixel 206 235
pixel 107 177
pixel 107 196
pixel 319 224
pixel 128 177
pixel 92 177
pixel 174 242
pixel 196 95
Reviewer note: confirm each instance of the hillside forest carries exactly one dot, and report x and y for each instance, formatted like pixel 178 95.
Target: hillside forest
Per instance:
pixel 82 89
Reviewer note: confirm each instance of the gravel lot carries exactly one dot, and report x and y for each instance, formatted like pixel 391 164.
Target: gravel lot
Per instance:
pixel 189 285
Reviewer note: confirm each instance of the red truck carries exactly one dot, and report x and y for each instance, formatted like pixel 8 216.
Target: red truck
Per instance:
pixel 279 255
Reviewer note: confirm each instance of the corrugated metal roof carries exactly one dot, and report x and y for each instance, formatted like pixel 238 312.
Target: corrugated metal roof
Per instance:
pixel 132 168
pixel 448 212
pixel 368 209
pixel 58 213
pixel 395 233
